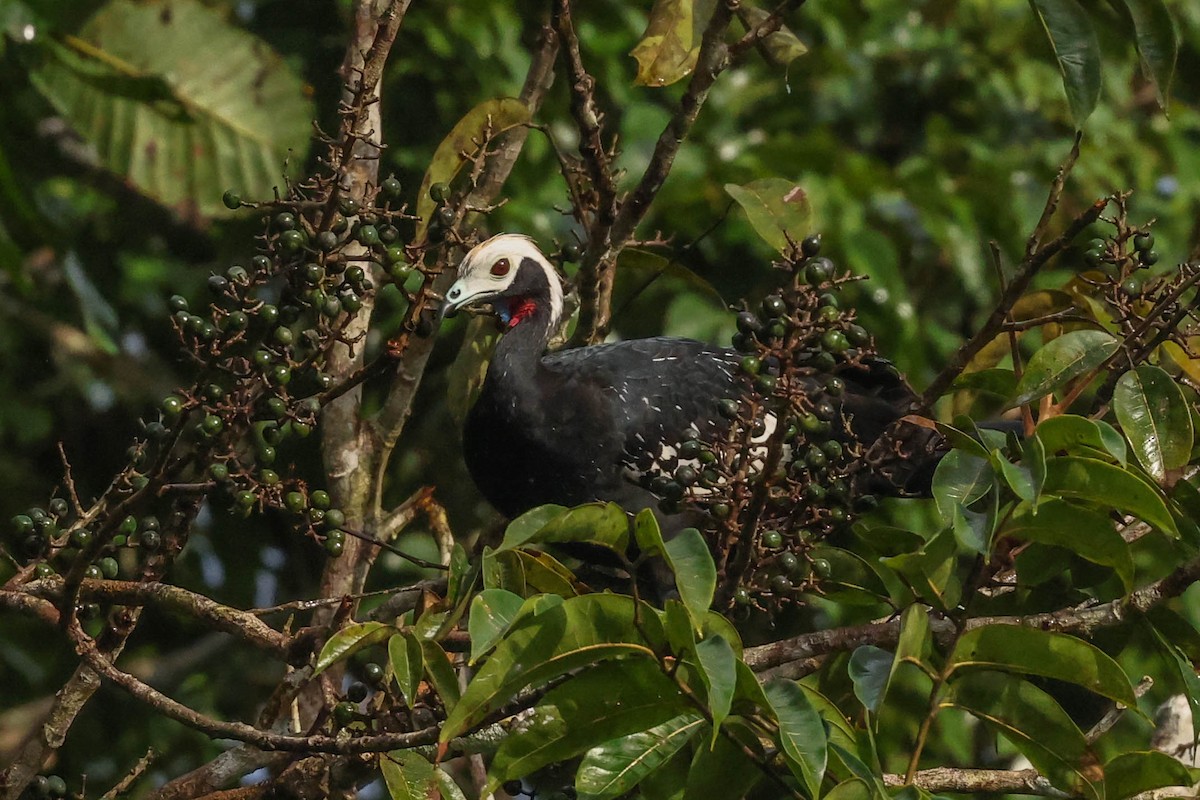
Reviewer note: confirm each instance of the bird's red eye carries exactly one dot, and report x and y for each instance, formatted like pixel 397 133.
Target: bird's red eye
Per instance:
pixel 500 268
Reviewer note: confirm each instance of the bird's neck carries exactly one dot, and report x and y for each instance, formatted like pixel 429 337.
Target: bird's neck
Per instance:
pixel 518 356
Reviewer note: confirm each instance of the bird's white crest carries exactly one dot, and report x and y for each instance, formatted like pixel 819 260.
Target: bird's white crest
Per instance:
pixel 478 281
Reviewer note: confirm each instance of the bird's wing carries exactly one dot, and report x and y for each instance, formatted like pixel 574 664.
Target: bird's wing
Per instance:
pixel 659 388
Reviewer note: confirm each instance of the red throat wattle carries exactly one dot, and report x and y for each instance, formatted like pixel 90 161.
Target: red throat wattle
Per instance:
pixel 520 308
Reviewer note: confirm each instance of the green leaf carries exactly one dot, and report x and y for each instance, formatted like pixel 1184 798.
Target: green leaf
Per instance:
pixel 574 633
pixel 614 768
pixel 408 775
pixel 999 381
pixel 1032 651
pixel 503 570
pixel 461 144
pixel 853 789
pixel 1063 359
pixel 724 770
pixel 605 702
pixel 670 44
pixel 1108 486
pixel 718 668
pixel 441 673
pixel 603 524
pixel 1027 716
pixel 647 533
pixel 960 479
pixel 1085 532
pixel 1140 771
pixel 447 786
pixel 782 47
pixel 1080 436
pixel 930 570
pixel 349 640
pixel 870 667
pixel 801 732
pixel 461 577
pixel 1077 51
pixel 777 209
pixel 638 269
pixel 492 611
pixel 1156 419
pixel 525 527
pixel 1157 43
pixel 695 573
pixel 1017 476
pixel 408 664
pixel 141 85
pixel 544 574
pixel 914 637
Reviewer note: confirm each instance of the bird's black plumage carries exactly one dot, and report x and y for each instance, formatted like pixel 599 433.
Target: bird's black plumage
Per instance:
pixel 581 425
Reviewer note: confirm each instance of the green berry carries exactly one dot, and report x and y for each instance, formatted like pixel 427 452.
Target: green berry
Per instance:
pixel 245 499
pixel 237 274
pixel 218 472
pixel 781 583
pixel 327 241
pixel 212 425
pixel 822 567
pixel 1149 257
pixel 348 206
pixel 93 573
pixel 818 271
pixel 1143 241
pixel 280 375
pixel 334 548
pixel 218 284
pixel 284 221
pixel 334 519
pixel 81 538
pixel 22 524
pixel 260 263
pixel 811 246
pixel 439 192
pixel 282 335
pixel 235 321
pixel 751 365
pixel 266 454
pixel 172 405
pixel 150 540
pixel 43 570
pixel 367 235
pixel 858 335
pixel 772 539
pixel 295 502
pixel 835 341
pixel 773 306
pixel 396 255
pixel 128 526
pixel 302 429
pixel 56 786
pixel 291 241
pixel 319 499
pixel 728 408
pixel 372 671
pixel 269 477
pixel 391 187
pixel 344 713
pixel 231 199
pixel 741 596
pixel 177 302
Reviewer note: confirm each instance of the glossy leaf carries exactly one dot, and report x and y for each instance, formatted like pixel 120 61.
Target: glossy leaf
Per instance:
pixel 718 668
pixel 141 85
pixel 853 789
pixel 573 633
pixel 503 570
pixel 447 786
pixel 1027 716
pixel 603 524
pixel 607 701
pixel 408 775
pixel 492 611
pixel 801 732
pixel 408 664
pixel 525 527
pixel 695 572
pixel 960 479
pixel 1157 43
pixel 646 532
pixel 349 640
pixel 1075 435
pixel 441 673
pixel 1156 419
pixel 1108 486
pixel 777 209
pixel 489 117
pixel 870 667
pixel 1017 476
pixel 1087 533
pixel 1063 359
pixel 1032 651
pixel 545 574
pixel 1077 51
pixel 1133 773
pixel 614 768
pixel 670 44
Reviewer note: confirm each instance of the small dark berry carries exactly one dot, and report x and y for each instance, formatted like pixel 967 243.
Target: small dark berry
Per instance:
pixel 818 270
pixel 231 199
pixel 439 192
pixel 177 303
pixel 1143 241
pixel 150 540
pixel 291 241
pixel 391 187
pixel 773 306
pixel 811 246
pixel 284 221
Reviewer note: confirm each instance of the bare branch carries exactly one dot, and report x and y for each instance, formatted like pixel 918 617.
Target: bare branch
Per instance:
pixel 969 781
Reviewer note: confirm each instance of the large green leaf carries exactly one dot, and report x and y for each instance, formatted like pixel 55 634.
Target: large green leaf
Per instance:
pixel 605 702
pixel 1077 51
pixel 1032 651
pixel 670 44
pixel 1108 486
pixel 1140 771
pixel 1156 419
pixel 492 611
pixel 462 143
pixel 960 479
pixel 695 572
pixel 573 633
pixel 1063 359
pixel 1027 716
pixel 349 640
pixel 1075 435
pixel 777 208
pixel 441 673
pixel 1090 534
pixel 408 775
pixel 408 664
pixel 801 732
pixel 615 767
pixel 782 47
pixel 718 669
pixel 143 85
pixel 870 667
pixel 603 524
pixel 1157 43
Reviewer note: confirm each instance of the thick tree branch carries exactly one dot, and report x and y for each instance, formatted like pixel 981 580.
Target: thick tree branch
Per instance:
pixel 971 781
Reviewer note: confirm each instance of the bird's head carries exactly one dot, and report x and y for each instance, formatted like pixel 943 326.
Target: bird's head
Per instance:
pixel 511 273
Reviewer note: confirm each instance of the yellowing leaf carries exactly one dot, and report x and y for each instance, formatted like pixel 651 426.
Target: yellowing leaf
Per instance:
pixel 670 44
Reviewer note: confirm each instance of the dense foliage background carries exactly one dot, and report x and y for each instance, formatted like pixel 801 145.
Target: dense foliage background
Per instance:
pixel 923 134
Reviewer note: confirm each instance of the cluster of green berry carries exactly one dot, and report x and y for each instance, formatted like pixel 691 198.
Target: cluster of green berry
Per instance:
pixel 43 787
pixel 779 480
